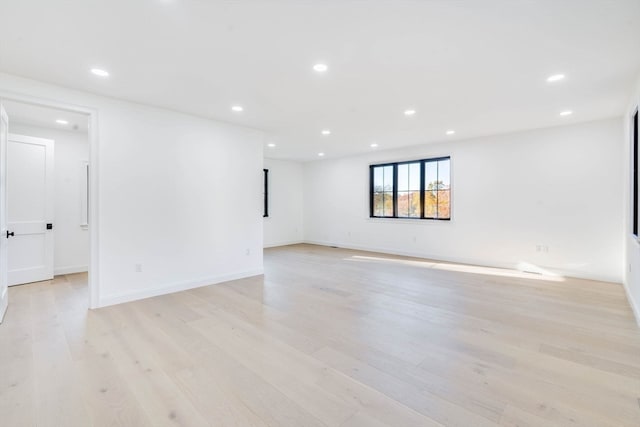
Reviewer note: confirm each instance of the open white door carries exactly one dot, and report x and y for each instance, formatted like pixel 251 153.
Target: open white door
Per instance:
pixel 4 134
pixel 30 204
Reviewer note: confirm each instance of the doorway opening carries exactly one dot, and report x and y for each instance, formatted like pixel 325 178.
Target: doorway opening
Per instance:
pixel 49 212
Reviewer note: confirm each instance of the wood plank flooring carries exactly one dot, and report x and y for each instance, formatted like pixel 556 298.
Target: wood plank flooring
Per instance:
pixel 328 337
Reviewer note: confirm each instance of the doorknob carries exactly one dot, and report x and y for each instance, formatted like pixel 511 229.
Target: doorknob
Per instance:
pixel 10 233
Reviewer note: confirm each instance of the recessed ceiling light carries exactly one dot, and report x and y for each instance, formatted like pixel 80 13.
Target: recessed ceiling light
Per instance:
pixel 272 145
pixel 321 154
pixel 566 113
pixel 451 132
pixel 409 112
pixel 100 72
pixel 374 145
pixel 555 78
pixel 237 108
pixel 62 122
pixel 326 132
pixel 320 68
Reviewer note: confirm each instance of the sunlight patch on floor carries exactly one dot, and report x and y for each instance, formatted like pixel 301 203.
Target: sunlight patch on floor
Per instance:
pixel 525 270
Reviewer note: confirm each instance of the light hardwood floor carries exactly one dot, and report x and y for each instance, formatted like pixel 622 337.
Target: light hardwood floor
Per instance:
pixel 329 337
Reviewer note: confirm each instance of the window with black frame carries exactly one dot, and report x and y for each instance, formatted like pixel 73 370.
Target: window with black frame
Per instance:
pixel 382 185
pixel 265 193
pixel 418 189
pixel 437 189
pixel 408 194
pixel 634 185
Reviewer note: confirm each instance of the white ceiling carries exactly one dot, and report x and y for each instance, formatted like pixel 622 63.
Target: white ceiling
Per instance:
pixel 478 67
pixel 33 115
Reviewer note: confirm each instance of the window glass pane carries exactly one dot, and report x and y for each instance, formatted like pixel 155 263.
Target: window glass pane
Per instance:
pixel 444 176
pixel 431 175
pixel 414 204
pixel 377 204
pixel 388 204
pixel 403 177
pixel 403 203
pixel 409 204
pixel 430 204
pixel 444 204
pixel 414 176
pixel 388 178
pixel 383 204
pixel 409 176
pixel 378 181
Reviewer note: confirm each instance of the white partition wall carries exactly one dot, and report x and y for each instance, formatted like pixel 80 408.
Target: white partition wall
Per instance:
pixel 177 200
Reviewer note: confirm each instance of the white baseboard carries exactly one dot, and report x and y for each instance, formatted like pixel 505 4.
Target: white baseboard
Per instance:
pixel 3 304
pixel 173 287
pixel 634 305
pixel 70 270
pixel 275 245
pixel 478 262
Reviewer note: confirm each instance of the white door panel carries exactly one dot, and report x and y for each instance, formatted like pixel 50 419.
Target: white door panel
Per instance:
pixel 27 251
pixel 27 180
pixel 4 134
pixel 30 208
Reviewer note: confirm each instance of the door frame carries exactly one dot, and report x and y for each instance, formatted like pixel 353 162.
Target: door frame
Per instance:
pixel 94 198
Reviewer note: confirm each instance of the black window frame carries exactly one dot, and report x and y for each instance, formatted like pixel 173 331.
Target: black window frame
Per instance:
pixel 634 184
pixel 394 191
pixel 395 165
pixel 265 212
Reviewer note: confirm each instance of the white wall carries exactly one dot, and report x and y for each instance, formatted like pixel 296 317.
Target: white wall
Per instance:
pixel 632 246
pixel 71 248
pixel 179 195
pixel 284 226
pixel 559 187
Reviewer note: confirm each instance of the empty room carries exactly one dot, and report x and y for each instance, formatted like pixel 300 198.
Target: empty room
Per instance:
pixel 323 213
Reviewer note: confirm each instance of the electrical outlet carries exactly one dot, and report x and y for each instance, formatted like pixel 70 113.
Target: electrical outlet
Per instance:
pixel 138 268
pixel 538 248
pixel 248 252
